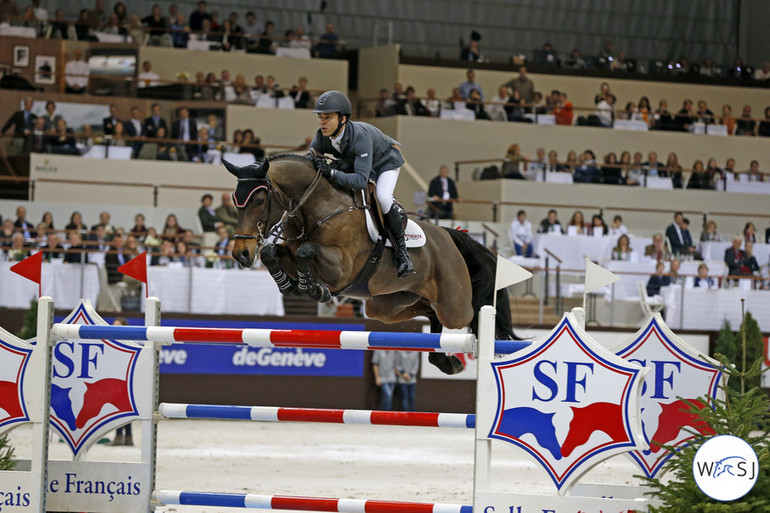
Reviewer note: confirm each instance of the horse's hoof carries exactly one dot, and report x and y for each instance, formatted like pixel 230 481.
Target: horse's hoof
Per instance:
pixel 446 363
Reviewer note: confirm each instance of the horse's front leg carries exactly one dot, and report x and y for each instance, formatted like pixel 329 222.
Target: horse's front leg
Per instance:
pixel 273 256
pixel 306 282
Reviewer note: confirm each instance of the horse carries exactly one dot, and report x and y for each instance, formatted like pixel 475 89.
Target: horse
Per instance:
pixel 312 238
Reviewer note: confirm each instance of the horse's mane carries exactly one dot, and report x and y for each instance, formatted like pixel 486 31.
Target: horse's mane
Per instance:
pixel 290 156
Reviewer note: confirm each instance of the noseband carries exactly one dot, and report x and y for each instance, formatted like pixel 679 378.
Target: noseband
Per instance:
pixel 263 184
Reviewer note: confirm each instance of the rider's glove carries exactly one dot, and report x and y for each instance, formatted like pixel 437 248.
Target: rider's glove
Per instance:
pixel 325 168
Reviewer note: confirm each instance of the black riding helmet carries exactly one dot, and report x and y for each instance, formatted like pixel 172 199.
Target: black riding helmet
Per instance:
pixel 334 101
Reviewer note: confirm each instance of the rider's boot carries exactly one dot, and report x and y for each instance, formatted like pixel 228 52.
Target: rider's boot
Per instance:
pixel 404 264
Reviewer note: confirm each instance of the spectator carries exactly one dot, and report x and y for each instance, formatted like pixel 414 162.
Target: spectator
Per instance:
pixel 47 220
pixel 737 261
pixel 664 120
pixel 634 170
pixel 475 103
pixel 165 150
pixel 729 169
pixel 251 144
pixel 52 250
pixel 60 26
pixel 575 61
pixel 413 106
pixel 713 173
pixel 617 228
pixel 104 222
pixel 227 213
pixel 745 125
pixel 50 118
pixel 552 165
pixel 76 224
pixel 453 102
pixel 251 28
pixel 657 280
pixel 753 174
pixel 171 229
pixel 9 11
pixel 134 128
pixel 586 172
pixel 22 225
pixel 109 123
pixel 516 109
pixel 301 40
pixel 622 250
pixel 82 27
pixel 200 150
pixel 153 122
pixel 520 233
pixel 513 163
pixel 17 251
pixel 673 170
pixel 97 17
pixel 710 232
pixel 673 272
pixel 703 280
pixel 383 366
pixel 572 162
pixel 266 44
pixel 704 114
pixel 139 230
pixel 471 52
pixel 223 239
pixel 206 214
pixel 707 69
pixel 300 94
pixel 184 130
pixel 235 146
pixel 524 86
pixel 763 73
pixel 441 190
pixel 550 224
pixel 77 251
pixel 180 31
pixel 749 233
pixel 607 55
pixel 23 123
pixel 327 48
pixel 577 224
pixel 764 125
pixel 236 31
pixel 407 364
pixel 611 172
pixel 469 85
pixel 147 78
pixel 727 119
pixel 679 237
pixel 431 103
pixel 498 108
pixel 197 17
pixel 216 132
pixel 657 250
pixel 605 111
pixel 698 178
pixel 562 111
pixel 62 141
pixel 685 117
pixel 76 73
pixel 273 88
pixel 98 238
pixel 165 255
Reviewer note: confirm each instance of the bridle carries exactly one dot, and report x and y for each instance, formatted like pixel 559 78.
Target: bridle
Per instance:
pixel 259 238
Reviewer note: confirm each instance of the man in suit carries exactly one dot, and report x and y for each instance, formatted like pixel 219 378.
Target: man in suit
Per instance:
pixel 52 249
pixel 185 130
pixel 114 259
pixel 23 122
pixel 108 123
pixel 207 215
pixel 153 122
pixel 22 225
pixel 740 262
pixel 679 237
pixel 36 141
pixel 441 189
pixel 134 128
pixel 76 253
pixel 104 221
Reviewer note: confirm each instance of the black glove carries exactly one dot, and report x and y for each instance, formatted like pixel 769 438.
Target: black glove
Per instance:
pixel 326 170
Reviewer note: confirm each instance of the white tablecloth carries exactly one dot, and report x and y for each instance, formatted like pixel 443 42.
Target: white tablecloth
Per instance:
pixel 708 309
pixel 748 187
pixel 715 251
pixel 116 152
pixel 542 119
pixel 460 113
pixel 60 281
pixel 626 288
pixel 626 124
pixel 656 182
pixel 553 177
pixel 215 291
pixel 298 53
pixel 9 30
pixel 572 249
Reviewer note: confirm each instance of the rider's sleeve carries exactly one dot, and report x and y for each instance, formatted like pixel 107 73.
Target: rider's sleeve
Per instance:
pixel 363 148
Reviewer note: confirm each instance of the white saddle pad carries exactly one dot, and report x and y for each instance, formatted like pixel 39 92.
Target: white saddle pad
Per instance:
pixel 413 235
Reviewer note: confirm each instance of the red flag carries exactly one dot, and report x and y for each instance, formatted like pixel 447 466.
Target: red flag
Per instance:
pixel 30 268
pixel 136 268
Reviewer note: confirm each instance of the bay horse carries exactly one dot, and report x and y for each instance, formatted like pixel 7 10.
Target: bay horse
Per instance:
pixel 312 237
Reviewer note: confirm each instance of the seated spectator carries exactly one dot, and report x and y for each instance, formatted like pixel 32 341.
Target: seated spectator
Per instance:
pixel 657 250
pixel 252 28
pixel 104 222
pixel 147 78
pixel 441 189
pixel 62 141
pixel 399 97
pixel 52 250
pixel 749 232
pixel 47 220
pixel 469 85
pixel 685 117
pixel 456 101
pixel 165 255
pixel 513 163
pixel 727 119
pixel 83 27
pixel 139 230
pixel 536 106
pixel 516 109
pixel 664 120
pixel 238 92
pixel 76 224
pixel 552 100
pixel 206 214
pixel 707 69
pixel 740 262
pixel 764 125
pixel 673 273
pixel 617 228
pixel 234 32
pixel 698 178
pixel 710 232
pixel 251 145
pixel 50 118
pixel 166 150
pixel 539 162
pixel 474 103
pixel 753 174
pixel 235 146
pixel 300 94
pixel 200 148
pixel 76 73
pixel 171 230
pixel 77 251
pixel 327 48
pixel 562 111
pixel 22 225
pixel 713 173
pixel 153 122
pixel 704 114
pixel 273 89
pixel 36 140
pixel 745 125
pixel 301 40
pixel 598 226
pixel 17 250
pixel 572 162
pixel 703 280
pixel 180 31
pixel 577 224
pixel 471 52
pixel 679 237
pixel 431 103
pixel 673 170
pixel 611 172
pixel 631 112
pixel 657 280
pixel 586 172
pixel 108 123
pixel 184 256
pixel 413 106
pixel 524 85
pixel 223 238
pixel 60 26
pixel 607 55
pixel 762 73
pixel 386 105
pixel 605 111
pixel 622 250
pixel 553 165
pixel 520 233
pixel 729 169
pixel 6 232
pixel 498 107
pixel 550 224
pixel 644 112
pixel 635 170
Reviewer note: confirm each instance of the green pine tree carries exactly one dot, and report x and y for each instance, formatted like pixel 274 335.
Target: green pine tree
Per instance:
pixel 6 454
pixel 742 413
pixel 29 328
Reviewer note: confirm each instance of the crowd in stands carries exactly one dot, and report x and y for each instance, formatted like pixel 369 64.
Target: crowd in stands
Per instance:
pixel 172 29
pixel 673 245
pixel 517 100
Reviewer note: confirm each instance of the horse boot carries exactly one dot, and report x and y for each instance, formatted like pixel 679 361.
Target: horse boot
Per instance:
pixel 404 264
pixel 269 257
pixel 306 283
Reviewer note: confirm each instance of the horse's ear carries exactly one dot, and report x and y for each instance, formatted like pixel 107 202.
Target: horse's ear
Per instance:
pixel 256 170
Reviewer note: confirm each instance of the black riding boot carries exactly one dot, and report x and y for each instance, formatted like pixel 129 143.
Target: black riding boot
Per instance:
pixel 403 261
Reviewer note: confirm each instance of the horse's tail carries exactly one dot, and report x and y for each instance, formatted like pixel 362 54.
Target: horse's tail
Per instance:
pixel 482 266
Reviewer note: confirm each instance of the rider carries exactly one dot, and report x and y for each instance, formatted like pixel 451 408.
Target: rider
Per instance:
pixel 370 154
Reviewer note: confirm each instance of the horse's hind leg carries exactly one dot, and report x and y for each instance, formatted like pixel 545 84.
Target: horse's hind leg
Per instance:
pixel 446 363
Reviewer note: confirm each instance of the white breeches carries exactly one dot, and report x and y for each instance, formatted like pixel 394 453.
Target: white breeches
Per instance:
pixel 386 184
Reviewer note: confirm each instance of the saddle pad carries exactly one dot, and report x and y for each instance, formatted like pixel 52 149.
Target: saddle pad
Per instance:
pixel 413 235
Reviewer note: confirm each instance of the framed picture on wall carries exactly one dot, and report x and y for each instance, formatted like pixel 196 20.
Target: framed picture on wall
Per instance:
pixel 20 56
pixel 45 69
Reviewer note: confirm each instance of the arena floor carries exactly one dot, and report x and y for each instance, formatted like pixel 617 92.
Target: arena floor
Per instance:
pixel 328 460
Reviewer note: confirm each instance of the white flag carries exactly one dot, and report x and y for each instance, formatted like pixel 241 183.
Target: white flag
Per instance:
pixel 597 277
pixel 509 273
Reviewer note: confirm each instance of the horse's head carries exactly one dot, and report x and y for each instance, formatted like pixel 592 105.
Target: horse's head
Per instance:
pixel 252 199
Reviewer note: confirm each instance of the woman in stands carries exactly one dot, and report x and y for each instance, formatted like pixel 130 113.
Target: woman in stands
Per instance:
pixel 572 162
pixel 578 221
pixel 764 125
pixel 728 120
pixel 698 178
pixel 663 118
pixel 749 233
pixel 611 172
pixel 713 173
pixel 710 233
pixel 48 221
pixel 250 145
pixel 172 231
pixel 76 223
pixel 139 230
pixel 586 172
pixel 645 111
pixel 598 222
pixel 235 146
pixel 623 249
pixel 674 170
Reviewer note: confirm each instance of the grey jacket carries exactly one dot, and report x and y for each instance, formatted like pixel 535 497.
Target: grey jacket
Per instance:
pixel 369 150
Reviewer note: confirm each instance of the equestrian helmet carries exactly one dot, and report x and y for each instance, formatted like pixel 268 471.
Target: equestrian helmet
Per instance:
pixel 334 101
